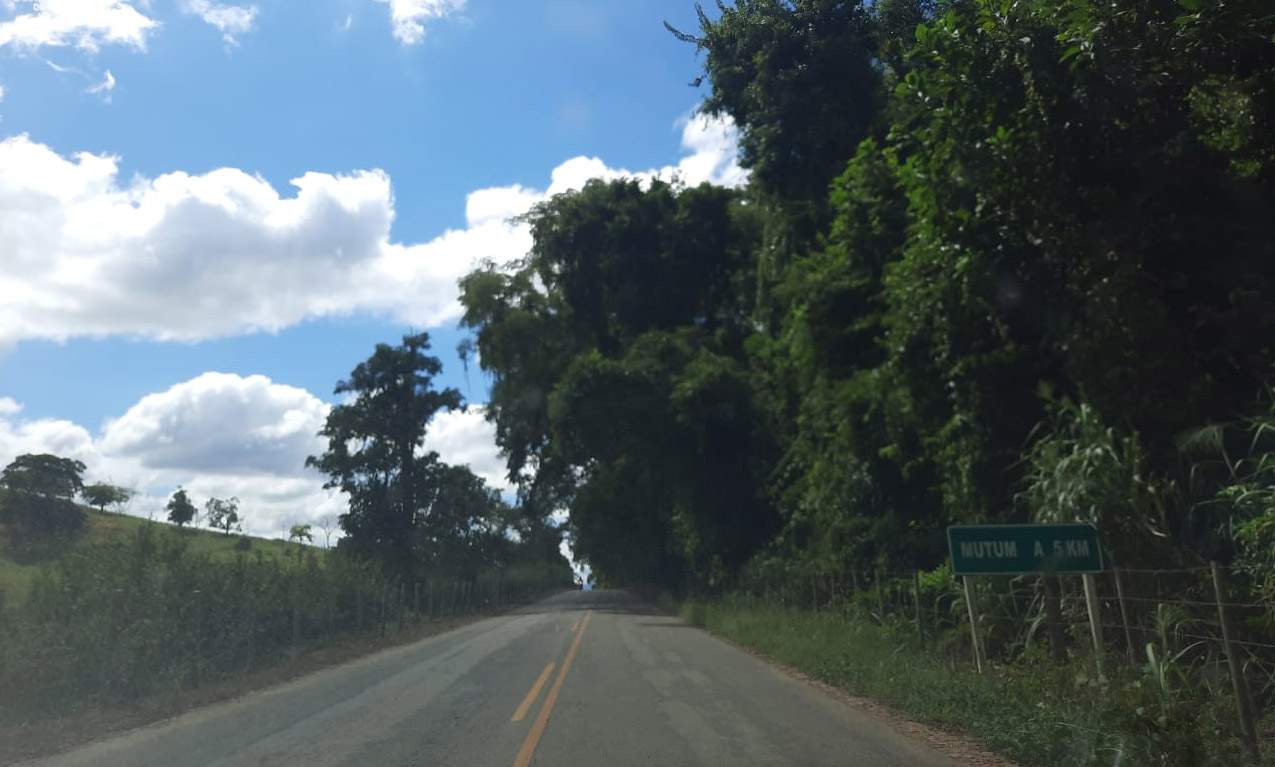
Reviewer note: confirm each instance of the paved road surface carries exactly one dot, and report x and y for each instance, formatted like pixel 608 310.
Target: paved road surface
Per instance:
pixel 580 679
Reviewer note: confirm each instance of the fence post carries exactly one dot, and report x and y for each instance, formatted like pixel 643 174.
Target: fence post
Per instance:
pixel 1124 612
pixel 1242 699
pixel 916 598
pixel 1053 618
pixel 880 595
pixel 1095 617
pixel 969 605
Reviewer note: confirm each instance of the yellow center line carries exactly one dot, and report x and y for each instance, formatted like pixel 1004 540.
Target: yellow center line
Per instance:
pixel 532 694
pixel 528 749
pixel 575 626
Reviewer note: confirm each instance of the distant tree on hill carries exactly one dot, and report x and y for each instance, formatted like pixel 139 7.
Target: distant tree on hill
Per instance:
pixel 300 533
pixel 180 509
pixel 328 524
pixel 223 514
pixel 40 499
pixel 103 494
pixel 44 475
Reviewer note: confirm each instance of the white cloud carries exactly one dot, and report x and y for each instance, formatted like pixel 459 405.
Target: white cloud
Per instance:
pixel 223 435
pixel 84 24
pixel 1 93
pixel 218 435
pixel 188 257
pixel 105 87
pixel 230 20
pixel 466 438
pixel 409 16
pixel 218 424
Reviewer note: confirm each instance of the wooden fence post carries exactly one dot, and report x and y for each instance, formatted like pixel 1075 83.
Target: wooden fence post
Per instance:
pixel 880 595
pixel 1242 699
pixel 916 598
pixel 1124 613
pixel 1095 618
pixel 973 613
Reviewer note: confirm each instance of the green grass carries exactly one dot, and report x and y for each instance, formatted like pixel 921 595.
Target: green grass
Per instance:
pixel 1034 712
pixel 16 575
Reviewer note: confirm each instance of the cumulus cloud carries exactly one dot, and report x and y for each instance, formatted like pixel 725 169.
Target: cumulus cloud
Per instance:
pixel 223 435
pixel 189 257
pixel 220 423
pixel 83 24
pixel 217 435
pixel 466 438
pixel 228 19
pixel 409 16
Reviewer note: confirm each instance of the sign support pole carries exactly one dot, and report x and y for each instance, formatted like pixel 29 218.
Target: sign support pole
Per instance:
pixel 969 604
pixel 1095 622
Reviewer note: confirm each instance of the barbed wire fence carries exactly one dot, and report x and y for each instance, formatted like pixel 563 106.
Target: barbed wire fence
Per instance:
pixel 1203 617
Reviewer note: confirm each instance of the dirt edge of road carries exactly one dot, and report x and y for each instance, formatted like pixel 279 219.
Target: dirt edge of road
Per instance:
pixel 49 737
pixel 960 748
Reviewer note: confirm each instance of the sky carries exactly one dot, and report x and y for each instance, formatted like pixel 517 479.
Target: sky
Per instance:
pixel 211 211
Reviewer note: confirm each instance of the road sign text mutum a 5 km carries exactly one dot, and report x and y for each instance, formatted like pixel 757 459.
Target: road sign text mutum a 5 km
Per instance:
pixel 1017 549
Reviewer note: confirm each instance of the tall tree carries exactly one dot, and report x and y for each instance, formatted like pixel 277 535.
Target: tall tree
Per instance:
pixel 374 447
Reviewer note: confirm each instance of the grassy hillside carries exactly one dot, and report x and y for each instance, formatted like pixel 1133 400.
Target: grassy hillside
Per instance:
pixel 15 576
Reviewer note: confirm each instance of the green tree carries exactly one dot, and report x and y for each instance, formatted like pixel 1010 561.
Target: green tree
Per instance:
pixel 180 509
pixel 222 514
pixel 616 352
pixel 374 443
pixel 300 533
pixel 103 494
pixel 44 475
pixel 39 501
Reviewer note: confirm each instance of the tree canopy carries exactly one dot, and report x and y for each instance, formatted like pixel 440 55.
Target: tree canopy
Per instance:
pixel 979 241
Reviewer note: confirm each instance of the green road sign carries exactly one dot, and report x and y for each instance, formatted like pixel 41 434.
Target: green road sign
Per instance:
pixel 1016 549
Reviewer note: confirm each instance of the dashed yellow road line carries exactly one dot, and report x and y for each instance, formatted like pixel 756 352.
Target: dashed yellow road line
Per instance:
pixel 528 749
pixel 532 694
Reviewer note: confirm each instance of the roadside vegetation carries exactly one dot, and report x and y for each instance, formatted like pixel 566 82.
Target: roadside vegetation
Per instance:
pixel 1035 711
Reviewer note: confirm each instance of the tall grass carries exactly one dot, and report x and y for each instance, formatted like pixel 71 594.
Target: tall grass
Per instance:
pixel 1033 711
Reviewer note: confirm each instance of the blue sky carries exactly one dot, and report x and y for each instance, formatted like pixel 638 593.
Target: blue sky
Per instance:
pixel 150 234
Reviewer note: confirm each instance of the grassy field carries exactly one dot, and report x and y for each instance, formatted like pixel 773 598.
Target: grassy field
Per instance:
pixel 15 576
pixel 1036 713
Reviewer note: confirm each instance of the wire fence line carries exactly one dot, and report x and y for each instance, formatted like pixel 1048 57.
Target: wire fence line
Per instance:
pixel 1132 618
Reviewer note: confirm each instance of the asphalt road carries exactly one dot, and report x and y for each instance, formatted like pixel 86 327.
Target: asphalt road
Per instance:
pixel 584 678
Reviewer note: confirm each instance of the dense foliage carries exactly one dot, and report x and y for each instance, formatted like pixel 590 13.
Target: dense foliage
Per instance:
pixel 996 262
